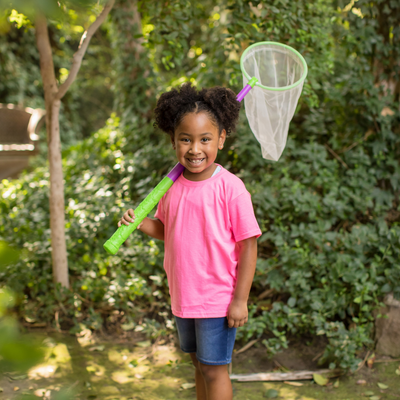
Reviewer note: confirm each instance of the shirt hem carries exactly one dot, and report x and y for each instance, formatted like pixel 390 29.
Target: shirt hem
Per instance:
pixel 257 233
pixel 191 314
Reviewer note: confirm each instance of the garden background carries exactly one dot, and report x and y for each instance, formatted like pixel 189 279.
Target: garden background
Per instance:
pixel 329 209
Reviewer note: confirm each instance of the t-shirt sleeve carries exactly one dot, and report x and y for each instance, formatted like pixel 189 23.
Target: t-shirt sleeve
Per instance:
pixel 160 211
pixel 243 220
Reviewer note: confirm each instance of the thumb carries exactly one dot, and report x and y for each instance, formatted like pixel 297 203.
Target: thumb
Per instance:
pixel 231 322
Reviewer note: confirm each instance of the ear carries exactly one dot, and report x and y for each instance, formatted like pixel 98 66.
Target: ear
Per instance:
pixel 221 139
pixel 173 142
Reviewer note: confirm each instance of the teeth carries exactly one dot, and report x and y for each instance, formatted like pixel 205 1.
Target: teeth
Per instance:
pixel 196 161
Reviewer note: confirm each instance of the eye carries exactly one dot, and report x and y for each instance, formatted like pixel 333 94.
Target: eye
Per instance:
pixel 185 140
pixel 206 139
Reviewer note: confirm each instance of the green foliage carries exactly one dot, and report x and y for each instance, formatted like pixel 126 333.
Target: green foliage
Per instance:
pixel 88 103
pixel 329 209
pixel 100 176
pixel 16 351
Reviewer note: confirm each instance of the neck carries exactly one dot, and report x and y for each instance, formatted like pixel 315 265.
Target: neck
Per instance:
pixel 201 176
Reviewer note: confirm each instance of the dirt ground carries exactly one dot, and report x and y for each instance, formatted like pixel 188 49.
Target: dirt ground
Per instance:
pixel 128 366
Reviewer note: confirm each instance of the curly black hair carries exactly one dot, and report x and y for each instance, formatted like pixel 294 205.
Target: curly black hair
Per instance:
pixel 218 102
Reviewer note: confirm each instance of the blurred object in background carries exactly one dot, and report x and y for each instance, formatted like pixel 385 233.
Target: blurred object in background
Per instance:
pixel 17 352
pixel 19 129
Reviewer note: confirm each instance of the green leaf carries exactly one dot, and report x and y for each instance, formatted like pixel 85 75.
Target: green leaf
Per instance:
pixel 369 393
pixel 336 384
pixel 291 302
pixel 320 380
pixel 397 371
pixel 129 326
pixel 145 343
pixel 271 394
pixel 374 398
pixel 382 386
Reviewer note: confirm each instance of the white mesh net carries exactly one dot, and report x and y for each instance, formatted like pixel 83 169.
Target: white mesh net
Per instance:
pixel 269 110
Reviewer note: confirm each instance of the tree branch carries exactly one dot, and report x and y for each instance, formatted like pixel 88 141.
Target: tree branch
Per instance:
pixel 336 156
pixel 46 58
pixel 84 43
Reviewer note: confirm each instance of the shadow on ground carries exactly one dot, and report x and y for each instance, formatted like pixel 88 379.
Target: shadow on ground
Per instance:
pixel 122 369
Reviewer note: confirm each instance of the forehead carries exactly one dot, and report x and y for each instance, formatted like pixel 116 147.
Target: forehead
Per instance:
pixel 196 124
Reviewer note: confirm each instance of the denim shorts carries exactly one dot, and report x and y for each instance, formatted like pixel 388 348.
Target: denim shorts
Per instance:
pixel 210 338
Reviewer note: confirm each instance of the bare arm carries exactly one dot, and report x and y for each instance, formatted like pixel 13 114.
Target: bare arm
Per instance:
pixel 246 268
pixel 151 227
pixel 238 313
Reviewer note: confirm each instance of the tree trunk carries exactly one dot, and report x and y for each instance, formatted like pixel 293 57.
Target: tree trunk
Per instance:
pixel 57 205
pixel 52 97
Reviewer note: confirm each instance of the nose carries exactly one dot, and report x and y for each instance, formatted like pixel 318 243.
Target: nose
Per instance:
pixel 194 149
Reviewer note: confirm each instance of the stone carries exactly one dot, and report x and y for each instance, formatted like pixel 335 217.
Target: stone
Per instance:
pixel 387 330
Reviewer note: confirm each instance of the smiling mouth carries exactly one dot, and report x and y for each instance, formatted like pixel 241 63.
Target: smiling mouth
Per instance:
pixel 195 161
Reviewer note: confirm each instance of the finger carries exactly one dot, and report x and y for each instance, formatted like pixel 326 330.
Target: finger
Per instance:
pixel 231 322
pixel 236 324
pixel 119 224
pixel 131 213
pixel 125 222
pixel 128 218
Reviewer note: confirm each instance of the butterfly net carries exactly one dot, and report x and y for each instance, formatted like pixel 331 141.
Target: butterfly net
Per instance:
pixel 270 105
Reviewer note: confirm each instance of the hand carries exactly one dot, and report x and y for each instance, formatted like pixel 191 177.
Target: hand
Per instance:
pixel 127 218
pixel 237 313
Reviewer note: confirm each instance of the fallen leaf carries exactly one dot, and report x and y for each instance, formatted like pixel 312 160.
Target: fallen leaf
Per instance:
pixel 188 385
pixel 336 384
pixel 361 382
pixel 397 371
pixel 16 388
pixel 145 343
pixel 371 360
pixel 374 398
pixel 97 348
pixel 382 386
pixel 1 389
pixel 320 380
pixel 293 383
pixel 138 376
pixel 271 394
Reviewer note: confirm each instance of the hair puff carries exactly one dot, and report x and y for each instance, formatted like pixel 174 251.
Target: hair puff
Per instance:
pixel 218 102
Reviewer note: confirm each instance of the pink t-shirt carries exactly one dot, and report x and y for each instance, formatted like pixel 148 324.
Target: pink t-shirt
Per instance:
pixel 202 223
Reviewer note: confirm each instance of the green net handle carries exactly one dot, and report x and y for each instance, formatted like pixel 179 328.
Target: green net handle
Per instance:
pixel 121 234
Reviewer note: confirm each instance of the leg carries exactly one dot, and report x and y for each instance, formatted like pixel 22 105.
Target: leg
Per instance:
pixel 200 384
pixel 217 381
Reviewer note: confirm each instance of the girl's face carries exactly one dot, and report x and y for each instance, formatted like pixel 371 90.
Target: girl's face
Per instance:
pixel 196 142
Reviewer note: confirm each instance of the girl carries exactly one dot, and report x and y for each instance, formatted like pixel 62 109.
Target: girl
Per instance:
pixel 207 222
